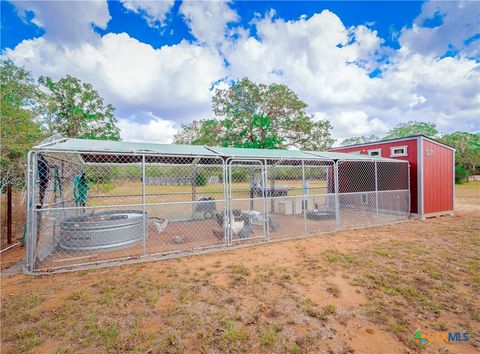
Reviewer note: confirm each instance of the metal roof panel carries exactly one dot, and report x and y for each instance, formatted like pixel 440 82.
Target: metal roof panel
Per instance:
pixel 106 146
pixel 92 146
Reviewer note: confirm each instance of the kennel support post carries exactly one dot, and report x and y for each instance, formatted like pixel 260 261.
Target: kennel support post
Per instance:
pixel 32 224
pixel 194 190
pixel 266 222
pixel 26 241
pixel 229 220
pixel 409 192
pixel 144 202
pixel 304 198
pixel 337 201
pixel 226 204
pixel 376 189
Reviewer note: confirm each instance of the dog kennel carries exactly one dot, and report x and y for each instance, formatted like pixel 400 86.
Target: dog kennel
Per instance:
pixel 92 202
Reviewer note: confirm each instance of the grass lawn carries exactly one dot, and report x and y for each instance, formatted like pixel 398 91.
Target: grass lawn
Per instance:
pixel 363 291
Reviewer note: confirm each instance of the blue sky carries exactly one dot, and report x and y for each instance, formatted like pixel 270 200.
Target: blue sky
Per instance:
pixel 388 18
pixel 365 66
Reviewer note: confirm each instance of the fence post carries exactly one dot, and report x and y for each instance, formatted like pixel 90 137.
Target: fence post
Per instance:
pixel 9 213
pixel 376 189
pixel 29 216
pixel 265 198
pixel 337 202
pixel 304 199
pixel 144 208
pixel 225 203
pixel 32 230
pixel 228 220
pixel 409 193
pixel 194 190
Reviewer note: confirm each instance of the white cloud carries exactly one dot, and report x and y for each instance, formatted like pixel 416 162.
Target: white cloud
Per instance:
pixel 66 22
pixel 208 20
pixel 459 22
pixel 353 123
pixel 326 63
pixel 313 57
pixel 154 129
pixel 154 12
pixel 366 47
pixel 133 76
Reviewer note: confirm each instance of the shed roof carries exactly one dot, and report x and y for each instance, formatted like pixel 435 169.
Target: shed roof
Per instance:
pixel 90 147
pixel 386 141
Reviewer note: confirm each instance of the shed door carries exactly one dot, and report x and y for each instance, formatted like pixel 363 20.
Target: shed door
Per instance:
pixel 438 180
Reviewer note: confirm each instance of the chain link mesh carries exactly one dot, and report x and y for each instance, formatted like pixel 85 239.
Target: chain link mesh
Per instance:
pixel 86 208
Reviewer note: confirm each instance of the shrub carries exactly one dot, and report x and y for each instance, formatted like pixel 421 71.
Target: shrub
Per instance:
pixel 461 175
pixel 100 174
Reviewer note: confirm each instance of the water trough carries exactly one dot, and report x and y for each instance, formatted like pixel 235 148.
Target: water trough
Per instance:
pixel 101 230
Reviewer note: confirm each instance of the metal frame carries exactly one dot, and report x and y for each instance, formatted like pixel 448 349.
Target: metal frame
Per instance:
pixel 453 179
pixel 420 169
pixel 345 216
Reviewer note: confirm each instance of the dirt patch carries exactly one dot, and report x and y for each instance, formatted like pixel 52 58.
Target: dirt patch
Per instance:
pixel 364 291
pixel 11 257
pixel 362 336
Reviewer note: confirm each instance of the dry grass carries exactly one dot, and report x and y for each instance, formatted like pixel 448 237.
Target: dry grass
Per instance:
pixel 132 191
pixel 359 291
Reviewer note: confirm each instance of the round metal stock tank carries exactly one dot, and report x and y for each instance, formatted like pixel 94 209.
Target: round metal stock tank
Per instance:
pixel 102 230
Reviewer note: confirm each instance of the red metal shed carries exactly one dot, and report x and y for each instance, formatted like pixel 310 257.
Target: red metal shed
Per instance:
pixel 432 170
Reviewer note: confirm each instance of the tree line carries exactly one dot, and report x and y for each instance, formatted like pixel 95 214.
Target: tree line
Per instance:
pixel 246 114
pixel 32 110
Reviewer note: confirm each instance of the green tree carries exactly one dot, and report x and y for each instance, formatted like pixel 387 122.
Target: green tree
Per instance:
pixel 360 140
pixel 412 128
pixel 258 115
pixel 19 114
pixel 76 110
pixel 319 138
pixel 467 149
pixel 461 174
pixel 259 134
pixel 200 132
pixel 246 105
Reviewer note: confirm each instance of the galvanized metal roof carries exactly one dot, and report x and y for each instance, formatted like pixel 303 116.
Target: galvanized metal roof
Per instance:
pixel 261 153
pixel 106 146
pixel 92 146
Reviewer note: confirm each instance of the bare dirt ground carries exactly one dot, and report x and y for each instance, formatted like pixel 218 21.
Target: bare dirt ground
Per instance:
pixel 364 291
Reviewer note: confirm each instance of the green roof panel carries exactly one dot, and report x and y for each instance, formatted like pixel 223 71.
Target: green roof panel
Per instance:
pixel 85 145
pixel 103 146
pixel 260 153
